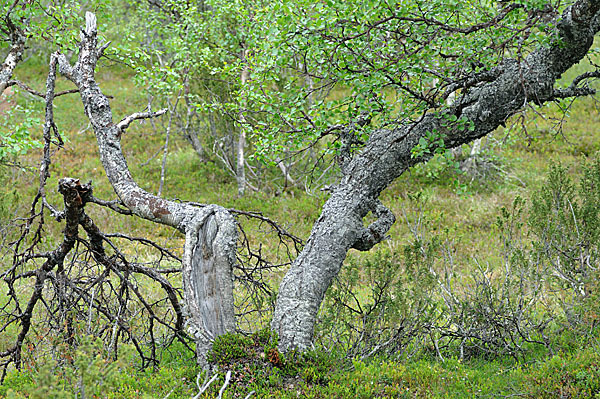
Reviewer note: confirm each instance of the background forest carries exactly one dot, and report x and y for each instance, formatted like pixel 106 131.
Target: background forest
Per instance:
pixel 485 286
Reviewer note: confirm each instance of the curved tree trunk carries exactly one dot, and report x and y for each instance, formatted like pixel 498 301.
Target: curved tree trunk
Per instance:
pixel 211 232
pixel 387 154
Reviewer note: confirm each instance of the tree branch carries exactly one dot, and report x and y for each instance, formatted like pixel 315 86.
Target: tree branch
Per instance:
pixel 211 233
pixel 125 122
pixel 574 90
pixel 376 231
pixel 70 189
pixel 389 153
pixel 37 93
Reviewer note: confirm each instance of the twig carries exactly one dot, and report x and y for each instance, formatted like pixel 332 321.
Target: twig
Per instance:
pixel 205 385
pixel 227 379
pixel 37 93
pixel 170 392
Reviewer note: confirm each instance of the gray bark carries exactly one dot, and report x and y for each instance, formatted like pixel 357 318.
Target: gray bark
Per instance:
pixel 387 155
pixel 211 233
pixel 17 38
pixel 210 248
pixel 241 145
pixel 194 140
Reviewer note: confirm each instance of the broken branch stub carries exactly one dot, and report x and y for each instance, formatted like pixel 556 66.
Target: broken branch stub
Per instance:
pixel 210 252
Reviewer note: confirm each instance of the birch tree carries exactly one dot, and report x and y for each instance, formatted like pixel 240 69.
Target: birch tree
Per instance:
pixel 495 58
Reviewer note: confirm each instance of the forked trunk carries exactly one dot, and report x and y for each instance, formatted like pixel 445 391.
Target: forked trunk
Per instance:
pixel 210 231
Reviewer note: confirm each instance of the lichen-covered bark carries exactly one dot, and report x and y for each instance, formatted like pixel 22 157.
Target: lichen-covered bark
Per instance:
pixel 388 154
pixel 211 232
pixel 17 39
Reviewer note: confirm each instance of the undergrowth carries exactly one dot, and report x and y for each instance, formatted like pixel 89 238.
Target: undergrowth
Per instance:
pixel 457 304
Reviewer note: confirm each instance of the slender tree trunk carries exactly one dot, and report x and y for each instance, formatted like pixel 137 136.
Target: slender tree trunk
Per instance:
pixel 194 140
pixel 241 145
pixel 163 168
pixel 388 154
pixel 211 233
pixel 470 164
pixel 476 148
pixel 285 170
pixel 240 171
pixel 191 130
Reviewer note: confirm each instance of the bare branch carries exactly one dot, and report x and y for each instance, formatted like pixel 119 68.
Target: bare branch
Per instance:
pixel 205 385
pixel 115 205
pixel 145 241
pixel 37 93
pixel 70 189
pixel 574 90
pixel 279 229
pixel 125 122
pixel 227 379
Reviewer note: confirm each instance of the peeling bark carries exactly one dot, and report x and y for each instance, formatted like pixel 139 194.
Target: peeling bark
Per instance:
pixel 210 231
pixel 388 154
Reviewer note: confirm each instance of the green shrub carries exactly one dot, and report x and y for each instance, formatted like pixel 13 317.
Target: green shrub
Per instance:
pixel 82 372
pixel 422 299
pixel 565 222
pixel 380 303
pixel 566 376
pixel 230 347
